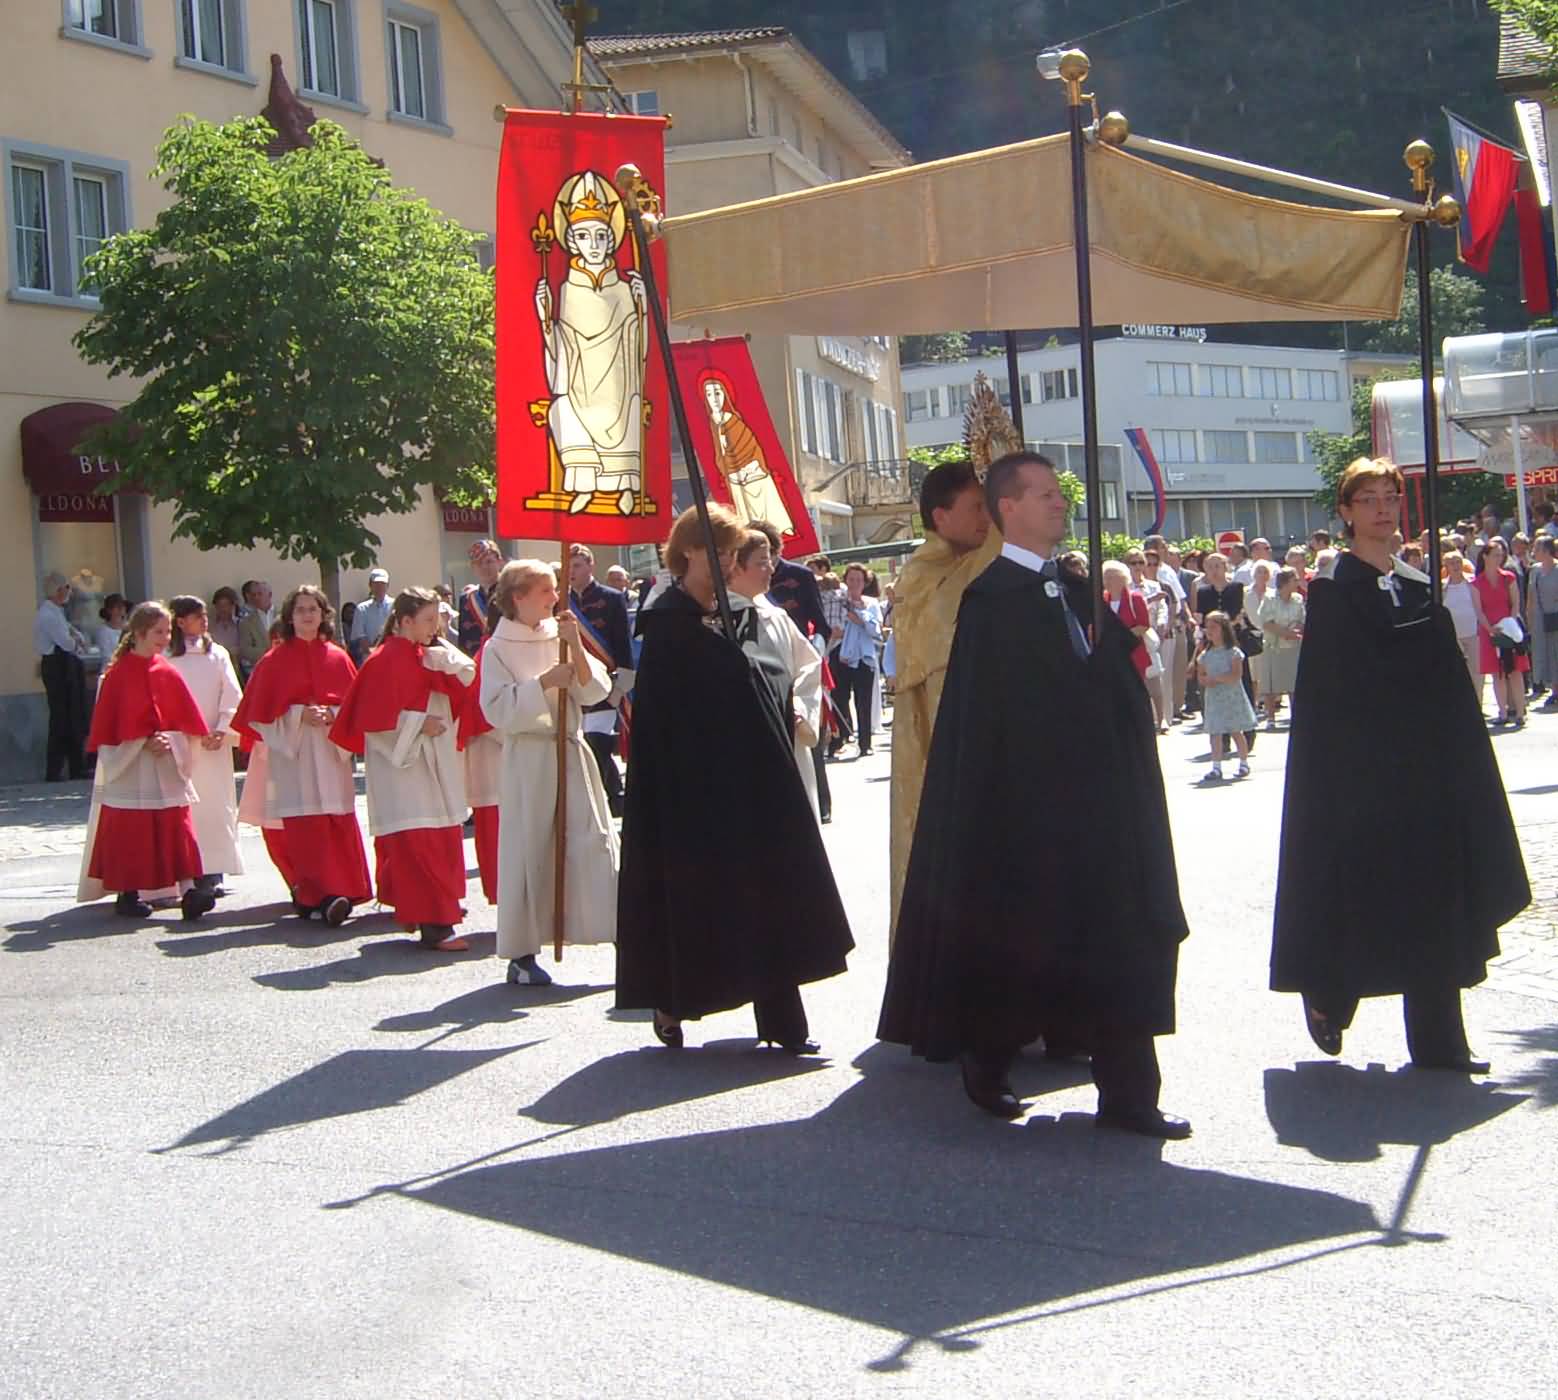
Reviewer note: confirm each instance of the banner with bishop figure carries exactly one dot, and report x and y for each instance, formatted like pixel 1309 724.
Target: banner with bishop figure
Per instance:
pixel 743 459
pixel 583 415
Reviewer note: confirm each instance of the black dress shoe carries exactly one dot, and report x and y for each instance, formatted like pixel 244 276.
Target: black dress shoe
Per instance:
pixel 197 902
pixel 795 1047
pixel 1148 1122
pixel 131 906
pixel 1321 1030
pixel 668 1032
pixel 1466 1064
pixel 990 1093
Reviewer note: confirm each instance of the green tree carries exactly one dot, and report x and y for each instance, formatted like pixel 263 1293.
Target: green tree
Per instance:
pixel 314 345
pixel 1457 311
pixel 1539 18
pixel 941 348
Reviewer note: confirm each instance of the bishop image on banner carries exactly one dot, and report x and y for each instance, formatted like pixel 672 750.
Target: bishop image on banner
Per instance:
pixel 583 418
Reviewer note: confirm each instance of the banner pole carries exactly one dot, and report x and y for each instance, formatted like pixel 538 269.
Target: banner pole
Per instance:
pixel 1074 68
pixel 634 188
pixel 1014 386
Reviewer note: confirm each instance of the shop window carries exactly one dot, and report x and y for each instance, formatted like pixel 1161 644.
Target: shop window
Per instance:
pixel 62 206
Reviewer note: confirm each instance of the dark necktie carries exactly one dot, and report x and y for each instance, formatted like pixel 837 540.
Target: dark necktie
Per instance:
pixel 1074 628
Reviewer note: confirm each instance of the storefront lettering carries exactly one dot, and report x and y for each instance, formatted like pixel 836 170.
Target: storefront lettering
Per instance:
pixel 76 506
pixel 846 356
pixel 1195 333
pixel 473 520
pixel 98 466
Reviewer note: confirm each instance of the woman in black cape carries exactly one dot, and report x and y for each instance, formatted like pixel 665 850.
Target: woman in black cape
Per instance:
pixel 1377 893
pixel 708 920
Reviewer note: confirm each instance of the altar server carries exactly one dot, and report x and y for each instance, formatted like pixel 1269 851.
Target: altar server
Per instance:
pixel 400 715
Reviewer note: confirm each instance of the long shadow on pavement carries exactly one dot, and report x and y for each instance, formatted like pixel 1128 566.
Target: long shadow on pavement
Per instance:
pixel 899 1205
pixel 81 922
pixel 355 1081
pixel 495 1005
pixel 394 957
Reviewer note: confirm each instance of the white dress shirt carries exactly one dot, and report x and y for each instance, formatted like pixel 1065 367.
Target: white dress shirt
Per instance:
pixel 1026 557
pixel 51 629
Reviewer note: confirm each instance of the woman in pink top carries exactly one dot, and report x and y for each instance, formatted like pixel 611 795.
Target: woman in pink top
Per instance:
pixel 1498 596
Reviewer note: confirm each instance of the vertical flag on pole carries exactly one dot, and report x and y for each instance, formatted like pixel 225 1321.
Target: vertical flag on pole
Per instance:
pixel 1483 172
pixel 584 449
pixel 1137 437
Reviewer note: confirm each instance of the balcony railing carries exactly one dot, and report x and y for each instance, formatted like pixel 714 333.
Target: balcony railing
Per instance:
pixel 892 481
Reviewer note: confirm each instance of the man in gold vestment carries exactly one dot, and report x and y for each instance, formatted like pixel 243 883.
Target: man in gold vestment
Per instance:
pixel 960 543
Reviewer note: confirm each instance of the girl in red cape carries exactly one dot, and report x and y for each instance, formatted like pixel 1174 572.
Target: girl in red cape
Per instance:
pixel 483 750
pixel 289 706
pixel 400 715
pixel 140 835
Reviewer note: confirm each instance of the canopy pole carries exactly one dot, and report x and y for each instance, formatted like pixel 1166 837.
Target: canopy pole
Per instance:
pixel 643 210
pixel 1014 385
pixel 1419 158
pixel 1523 517
pixel 1272 176
pixel 1074 68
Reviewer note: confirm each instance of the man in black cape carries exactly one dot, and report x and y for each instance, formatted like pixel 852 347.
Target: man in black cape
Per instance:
pixel 725 894
pixel 1399 859
pixel 1041 895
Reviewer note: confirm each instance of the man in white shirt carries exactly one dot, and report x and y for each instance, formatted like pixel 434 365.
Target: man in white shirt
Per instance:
pixel 1241 567
pixel 254 624
pixel 60 648
pixel 372 613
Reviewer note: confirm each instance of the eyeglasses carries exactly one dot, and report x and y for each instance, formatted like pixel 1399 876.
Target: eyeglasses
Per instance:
pixel 1370 501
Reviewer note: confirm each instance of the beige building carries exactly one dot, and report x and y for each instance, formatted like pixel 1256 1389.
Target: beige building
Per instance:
pixel 87 88
pixel 754 114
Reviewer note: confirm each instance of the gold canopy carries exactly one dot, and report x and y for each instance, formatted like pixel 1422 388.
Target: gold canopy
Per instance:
pixel 983 242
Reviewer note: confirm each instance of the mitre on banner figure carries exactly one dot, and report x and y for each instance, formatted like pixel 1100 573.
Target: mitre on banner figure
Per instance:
pixel 595 345
pixel 754 494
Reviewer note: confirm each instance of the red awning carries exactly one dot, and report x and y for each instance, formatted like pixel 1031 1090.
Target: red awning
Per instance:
pixel 50 438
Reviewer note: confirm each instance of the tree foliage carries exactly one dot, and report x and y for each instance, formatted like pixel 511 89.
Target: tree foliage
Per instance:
pixel 941 348
pixel 315 345
pixel 1539 18
pixel 1457 307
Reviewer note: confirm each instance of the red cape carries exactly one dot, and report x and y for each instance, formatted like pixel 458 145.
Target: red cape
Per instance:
pixel 141 696
pixel 473 721
pixel 392 681
pixel 293 673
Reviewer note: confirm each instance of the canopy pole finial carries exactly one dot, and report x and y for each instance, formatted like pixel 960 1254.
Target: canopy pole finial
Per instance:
pixel 1419 158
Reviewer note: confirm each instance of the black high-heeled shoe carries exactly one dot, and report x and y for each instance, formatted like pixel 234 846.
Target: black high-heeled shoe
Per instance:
pixel 1321 1031
pixel 795 1047
pixel 991 1094
pixel 668 1032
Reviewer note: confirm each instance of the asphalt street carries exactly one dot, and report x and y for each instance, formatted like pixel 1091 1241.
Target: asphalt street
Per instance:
pixel 259 1157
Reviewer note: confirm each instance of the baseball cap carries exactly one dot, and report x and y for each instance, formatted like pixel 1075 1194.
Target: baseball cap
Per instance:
pixel 378 575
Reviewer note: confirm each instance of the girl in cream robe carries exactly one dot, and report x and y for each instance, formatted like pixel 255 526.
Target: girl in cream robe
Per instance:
pixel 522 649
pixel 208 672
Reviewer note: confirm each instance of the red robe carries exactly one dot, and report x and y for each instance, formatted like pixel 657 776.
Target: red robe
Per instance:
pixel 321 852
pixel 419 859
pixel 143 836
pixel 473 724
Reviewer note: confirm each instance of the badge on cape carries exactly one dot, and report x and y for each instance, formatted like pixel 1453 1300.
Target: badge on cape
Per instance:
pixel 1051 588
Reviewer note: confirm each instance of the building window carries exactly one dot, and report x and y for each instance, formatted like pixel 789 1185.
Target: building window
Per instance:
pixel 1173 445
pixel 1058 384
pixel 1317 384
pixel 415 65
pixel 62 207
pixel 1109 499
pixel 485 253
pixel 917 405
pixel 113 22
pixel 1168 378
pixel 211 34
pixel 806 411
pixel 773 117
pixel 1223 381
pixel 867 54
pixel 1270 383
pixel 1276 447
pixel 1227 447
pixel 958 399
pixel 830 420
pixel 327 49
pixel 643 103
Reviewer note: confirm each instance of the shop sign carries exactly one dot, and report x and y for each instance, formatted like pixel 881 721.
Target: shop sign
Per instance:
pixel 1542 476
pixel 846 356
pixel 467 520
pixel 76 506
pixel 1193 333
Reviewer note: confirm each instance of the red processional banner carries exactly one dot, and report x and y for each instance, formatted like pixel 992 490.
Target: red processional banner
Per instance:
pixel 584 449
pixel 742 456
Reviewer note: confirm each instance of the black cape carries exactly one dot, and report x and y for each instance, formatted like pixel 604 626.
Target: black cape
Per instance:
pixel 709 917
pixel 1399 859
pixel 1041 892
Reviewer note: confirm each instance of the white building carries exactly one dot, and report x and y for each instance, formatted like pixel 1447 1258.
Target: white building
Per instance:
pixel 1228 423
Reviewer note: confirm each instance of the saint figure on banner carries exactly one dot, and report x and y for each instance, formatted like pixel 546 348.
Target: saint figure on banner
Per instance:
pixel 595 346
pixel 754 494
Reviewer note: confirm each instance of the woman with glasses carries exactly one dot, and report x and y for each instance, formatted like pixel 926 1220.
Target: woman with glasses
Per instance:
pixel 1382 712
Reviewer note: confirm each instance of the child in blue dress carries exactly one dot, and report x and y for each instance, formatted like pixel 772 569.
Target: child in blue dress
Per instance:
pixel 1226 709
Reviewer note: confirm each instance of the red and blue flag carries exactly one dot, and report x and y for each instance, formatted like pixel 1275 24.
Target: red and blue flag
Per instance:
pixel 1137 437
pixel 1483 171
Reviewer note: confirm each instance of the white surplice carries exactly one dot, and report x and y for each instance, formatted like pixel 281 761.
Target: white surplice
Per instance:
pixel 214 684
pixel 524 717
pixel 416 781
pixel 306 775
pixel 129 776
pixel 780 639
